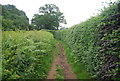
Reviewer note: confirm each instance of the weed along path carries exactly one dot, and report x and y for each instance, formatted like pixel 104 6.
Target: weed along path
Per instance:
pixel 60 68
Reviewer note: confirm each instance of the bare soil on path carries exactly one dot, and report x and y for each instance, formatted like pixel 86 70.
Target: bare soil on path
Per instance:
pixel 60 60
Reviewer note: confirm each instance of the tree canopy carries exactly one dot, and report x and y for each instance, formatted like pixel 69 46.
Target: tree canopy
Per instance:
pixel 13 18
pixel 49 17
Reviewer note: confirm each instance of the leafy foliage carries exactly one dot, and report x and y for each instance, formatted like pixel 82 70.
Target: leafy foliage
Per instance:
pixel 13 19
pixel 96 44
pixel 109 35
pixel 26 54
pixel 50 18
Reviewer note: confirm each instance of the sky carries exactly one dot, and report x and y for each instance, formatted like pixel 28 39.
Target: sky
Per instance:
pixel 75 11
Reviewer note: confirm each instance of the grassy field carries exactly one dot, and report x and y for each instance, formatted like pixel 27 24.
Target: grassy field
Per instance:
pixel 26 54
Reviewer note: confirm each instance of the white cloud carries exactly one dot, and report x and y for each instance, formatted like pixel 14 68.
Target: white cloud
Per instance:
pixel 75 11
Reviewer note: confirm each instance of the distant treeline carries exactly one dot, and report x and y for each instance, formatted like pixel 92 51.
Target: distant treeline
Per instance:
pixel 96 43
pixel 49 17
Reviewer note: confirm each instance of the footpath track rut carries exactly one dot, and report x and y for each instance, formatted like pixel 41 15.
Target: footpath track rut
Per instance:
pixel 60 60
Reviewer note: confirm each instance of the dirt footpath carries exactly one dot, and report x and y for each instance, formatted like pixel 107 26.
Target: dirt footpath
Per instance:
pixel 60 60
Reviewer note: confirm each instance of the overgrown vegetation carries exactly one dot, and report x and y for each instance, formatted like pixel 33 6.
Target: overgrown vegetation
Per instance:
pixel 95 43
pixel 26 54
pixel 93 46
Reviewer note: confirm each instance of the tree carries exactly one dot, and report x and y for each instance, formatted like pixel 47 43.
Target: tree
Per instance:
pixel 13 18
pixel 49 17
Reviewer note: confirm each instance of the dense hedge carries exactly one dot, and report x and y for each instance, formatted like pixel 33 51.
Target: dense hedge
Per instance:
pixel 96 43
pixel 26 54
